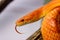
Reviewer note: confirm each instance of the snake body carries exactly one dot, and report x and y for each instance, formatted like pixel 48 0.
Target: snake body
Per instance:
pixel 51 25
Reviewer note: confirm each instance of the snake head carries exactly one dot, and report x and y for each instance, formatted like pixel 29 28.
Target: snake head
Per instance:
pixel 29 18
pixel 32 17
pixel 20 22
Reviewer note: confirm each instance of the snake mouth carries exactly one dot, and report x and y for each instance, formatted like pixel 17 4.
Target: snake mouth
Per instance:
pixel 17 30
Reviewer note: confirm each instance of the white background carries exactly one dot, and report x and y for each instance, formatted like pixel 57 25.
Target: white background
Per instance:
pixel 12 12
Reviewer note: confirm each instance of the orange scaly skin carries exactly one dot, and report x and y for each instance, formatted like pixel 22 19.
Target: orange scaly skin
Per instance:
pixel 50 25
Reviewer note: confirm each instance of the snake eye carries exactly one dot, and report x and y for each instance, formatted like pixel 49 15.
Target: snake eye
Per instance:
pixel 22 20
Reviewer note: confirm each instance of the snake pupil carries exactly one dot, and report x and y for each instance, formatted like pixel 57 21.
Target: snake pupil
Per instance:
pixel 22 20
